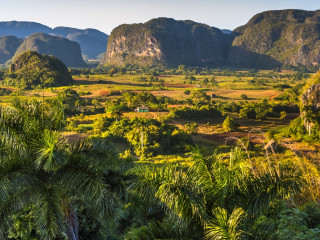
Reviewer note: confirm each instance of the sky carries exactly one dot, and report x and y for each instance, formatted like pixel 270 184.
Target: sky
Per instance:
pixel 105 15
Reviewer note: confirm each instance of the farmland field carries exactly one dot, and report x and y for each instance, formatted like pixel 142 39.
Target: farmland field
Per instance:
pixel 102 87
pixel 223 116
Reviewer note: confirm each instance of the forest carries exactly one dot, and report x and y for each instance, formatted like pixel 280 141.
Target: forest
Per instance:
pixel 218 154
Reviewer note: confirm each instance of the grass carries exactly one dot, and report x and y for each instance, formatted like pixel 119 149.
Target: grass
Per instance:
pixel 229 88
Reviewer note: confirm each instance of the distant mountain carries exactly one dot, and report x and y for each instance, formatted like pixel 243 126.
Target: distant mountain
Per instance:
pixel 226 31
pixel 8 47
pixel 32 69
pixel 22 29
pixel 67 51
pixel 274 38
pixel 166 41
pixel 92 41
pixel 270 39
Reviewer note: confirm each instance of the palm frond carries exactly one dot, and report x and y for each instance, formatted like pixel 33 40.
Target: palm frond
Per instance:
pixel 173 187
pixel 202 169
pixel 224 226
pixel 49 217
pixel 169 229
pixel 266 187
pixel 51 154
pixel 267 233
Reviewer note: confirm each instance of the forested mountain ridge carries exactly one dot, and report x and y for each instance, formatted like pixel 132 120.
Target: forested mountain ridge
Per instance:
pixel 67 51
pixel 274 38
pixel 22 29
pixel 270 39
pixel 31 69
pixel 8 47
pixel 93 42
pixel 166 41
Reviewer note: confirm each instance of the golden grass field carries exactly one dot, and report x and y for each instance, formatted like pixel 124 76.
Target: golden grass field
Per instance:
pixel 229 89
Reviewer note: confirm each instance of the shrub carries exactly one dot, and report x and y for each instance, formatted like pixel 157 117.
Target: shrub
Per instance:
pixel 191 128
pixel 187 92
pixel 4 91
pixel 244 96
pixel 229 124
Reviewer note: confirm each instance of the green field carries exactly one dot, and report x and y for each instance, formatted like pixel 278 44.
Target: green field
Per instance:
pixel 211 145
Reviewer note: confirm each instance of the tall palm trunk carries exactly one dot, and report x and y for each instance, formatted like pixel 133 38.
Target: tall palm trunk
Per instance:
pixel 72 224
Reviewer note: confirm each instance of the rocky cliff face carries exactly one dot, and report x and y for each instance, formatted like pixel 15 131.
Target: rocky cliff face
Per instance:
pixel 273 38
pixel 8 46
pixel 311 93
pixel 310 102
pixel 67 51
pixel 166 41
pixel 311 97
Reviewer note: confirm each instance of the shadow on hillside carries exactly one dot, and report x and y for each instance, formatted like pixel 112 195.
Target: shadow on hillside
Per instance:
pixel 240 57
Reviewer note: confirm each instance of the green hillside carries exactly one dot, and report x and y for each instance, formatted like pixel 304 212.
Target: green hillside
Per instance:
pixel 67 51
pixel 274 38
pixel 32 69
pixel 166 41
pixel 8 47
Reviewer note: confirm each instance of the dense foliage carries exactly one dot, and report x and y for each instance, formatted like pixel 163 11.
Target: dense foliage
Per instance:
pixel 132 100
pixel 82 165
pixel 146 137
pixel 47 185
pixel 31 70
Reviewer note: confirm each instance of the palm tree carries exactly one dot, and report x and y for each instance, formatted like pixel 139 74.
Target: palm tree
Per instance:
pixel 116 113
pixel 216 182
pixel 224 227
pixel 171 228
pixel 41 172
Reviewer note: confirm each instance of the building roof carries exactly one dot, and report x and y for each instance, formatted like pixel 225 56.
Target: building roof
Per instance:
pixel 143 107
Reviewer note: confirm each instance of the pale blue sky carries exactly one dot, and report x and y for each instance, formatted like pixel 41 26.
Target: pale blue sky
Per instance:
pixel 107 14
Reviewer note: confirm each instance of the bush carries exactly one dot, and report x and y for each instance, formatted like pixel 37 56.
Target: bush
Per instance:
pixel 4 92
pixel 191 128
pixel 229 124
pixel 194 113
pixel 187 92
pixel 244 96
pixel 31 70
pixel 283 114
pixel 296 129
pixel 157 137
pixel 115 93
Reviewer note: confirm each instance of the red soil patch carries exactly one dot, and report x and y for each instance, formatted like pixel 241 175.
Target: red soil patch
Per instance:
pixel 104 93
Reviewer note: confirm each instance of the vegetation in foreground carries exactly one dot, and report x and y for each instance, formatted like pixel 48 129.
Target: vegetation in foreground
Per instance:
pixel 76 166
